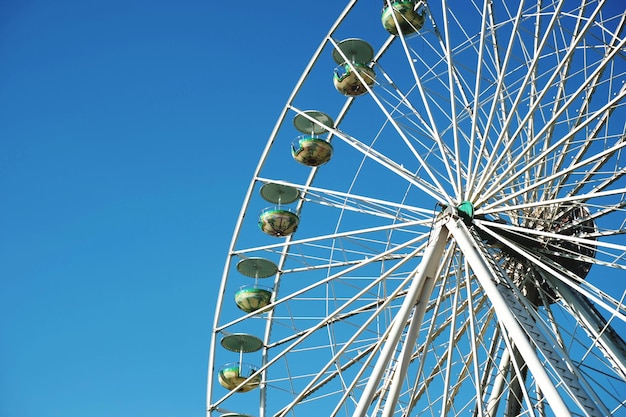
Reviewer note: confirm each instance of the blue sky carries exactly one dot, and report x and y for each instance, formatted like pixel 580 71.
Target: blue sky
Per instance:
pixel 129 131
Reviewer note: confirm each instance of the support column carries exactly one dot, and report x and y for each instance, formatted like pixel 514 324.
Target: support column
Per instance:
pixel 485 276
pixel 418 293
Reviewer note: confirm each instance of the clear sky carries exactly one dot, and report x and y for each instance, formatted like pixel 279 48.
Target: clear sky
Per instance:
pixel 129 131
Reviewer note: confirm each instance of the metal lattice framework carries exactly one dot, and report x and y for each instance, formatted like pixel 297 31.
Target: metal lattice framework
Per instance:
pixel 449 238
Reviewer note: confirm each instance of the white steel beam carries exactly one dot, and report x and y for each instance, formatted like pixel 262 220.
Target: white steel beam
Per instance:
pixel 417 298
pixel 485 275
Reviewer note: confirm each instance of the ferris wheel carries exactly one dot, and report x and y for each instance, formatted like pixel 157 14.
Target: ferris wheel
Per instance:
pixel 436 224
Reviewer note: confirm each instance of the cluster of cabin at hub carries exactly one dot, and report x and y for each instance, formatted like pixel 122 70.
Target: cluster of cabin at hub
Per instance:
pixel 353 77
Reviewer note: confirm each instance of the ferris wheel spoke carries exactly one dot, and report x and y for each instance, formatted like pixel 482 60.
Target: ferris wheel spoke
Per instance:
pixel 559 237
pixel 567 247
pixel 456 91
pixel 568 278
pixel 347 268
pixel 487 27
pixel 476 132
pixel 358 203
pixel 314 384
pixel 596 327
pixel 397 101
pixel 544 219
pixel 542 168
pixel 330 376
pixel 612 204
pixel 423 383
pixel 369 151
pixel 474 339
pixel 436 191
pixel 546 203
pixel 606 210
pixel 500 93
pixel 607 107
pixel 452 83
pixel 558 179
pixel 411 120
pixel 328 320
pixel 431 124
pixel 539 99
pixel 333 236
pixel 593 137
pixel 607 178
pixel 504 139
